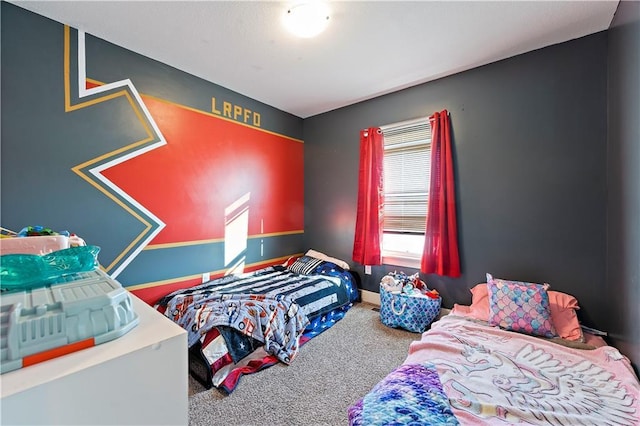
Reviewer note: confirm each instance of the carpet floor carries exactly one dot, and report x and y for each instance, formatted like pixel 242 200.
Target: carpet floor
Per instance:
pixel 330 373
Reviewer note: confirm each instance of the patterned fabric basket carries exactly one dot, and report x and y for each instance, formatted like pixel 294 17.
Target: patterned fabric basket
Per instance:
pixel 409 312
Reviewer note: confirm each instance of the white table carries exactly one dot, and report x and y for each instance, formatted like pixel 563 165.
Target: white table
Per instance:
pixel 140 378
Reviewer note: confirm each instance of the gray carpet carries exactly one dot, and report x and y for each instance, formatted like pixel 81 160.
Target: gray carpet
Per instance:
pixel 329 374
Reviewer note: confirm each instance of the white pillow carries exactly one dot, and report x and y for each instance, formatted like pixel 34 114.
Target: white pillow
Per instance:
pixel 341 263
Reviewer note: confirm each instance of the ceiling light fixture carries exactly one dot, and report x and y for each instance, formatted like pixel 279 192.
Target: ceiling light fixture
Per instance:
pixel 307 19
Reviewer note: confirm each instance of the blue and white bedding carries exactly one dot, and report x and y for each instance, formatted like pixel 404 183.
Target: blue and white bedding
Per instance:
pixel 276 322
pixel 273 309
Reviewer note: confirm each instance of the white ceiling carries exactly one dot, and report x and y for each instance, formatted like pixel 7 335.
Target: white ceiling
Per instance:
pixel 369 48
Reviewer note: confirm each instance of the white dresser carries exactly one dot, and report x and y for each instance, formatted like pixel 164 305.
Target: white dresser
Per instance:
pixel 140 378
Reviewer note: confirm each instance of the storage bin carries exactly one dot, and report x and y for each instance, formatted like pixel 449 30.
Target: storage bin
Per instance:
pixel 41 244
pixel 413 313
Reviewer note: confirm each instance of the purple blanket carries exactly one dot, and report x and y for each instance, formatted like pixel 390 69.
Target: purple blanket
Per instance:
pixel 410 394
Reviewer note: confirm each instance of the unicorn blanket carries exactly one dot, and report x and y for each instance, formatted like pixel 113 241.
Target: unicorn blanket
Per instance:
pixel 490 376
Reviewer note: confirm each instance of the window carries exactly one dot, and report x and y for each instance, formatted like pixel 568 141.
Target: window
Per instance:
pixel 407 164
pixel 411 197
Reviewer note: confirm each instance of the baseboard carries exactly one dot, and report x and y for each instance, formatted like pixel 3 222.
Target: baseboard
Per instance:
pixel 370 297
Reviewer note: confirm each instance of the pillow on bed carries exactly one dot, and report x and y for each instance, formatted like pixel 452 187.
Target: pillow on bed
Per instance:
pixel 564 316
pixel 563 311
pixel 480 302
pixel 341 263
pixel 305 265
pixel 290 261
pixel 520 306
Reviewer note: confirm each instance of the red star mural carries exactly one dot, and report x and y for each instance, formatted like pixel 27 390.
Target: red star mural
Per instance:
pixel 208 164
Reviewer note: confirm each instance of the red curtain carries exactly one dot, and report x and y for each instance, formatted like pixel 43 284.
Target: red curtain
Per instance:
pixel 368 237
pixel 440 255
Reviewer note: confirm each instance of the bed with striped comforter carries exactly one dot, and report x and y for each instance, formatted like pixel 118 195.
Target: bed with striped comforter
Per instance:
pixel 240 324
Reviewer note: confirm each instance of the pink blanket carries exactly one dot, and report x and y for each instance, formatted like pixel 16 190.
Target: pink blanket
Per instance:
pixel 492 376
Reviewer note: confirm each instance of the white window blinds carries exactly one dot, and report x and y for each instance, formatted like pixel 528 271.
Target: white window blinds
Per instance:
pixel 407 169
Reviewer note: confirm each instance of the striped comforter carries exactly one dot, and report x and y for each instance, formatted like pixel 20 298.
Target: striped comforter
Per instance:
pixel 315 294
pixel 268 309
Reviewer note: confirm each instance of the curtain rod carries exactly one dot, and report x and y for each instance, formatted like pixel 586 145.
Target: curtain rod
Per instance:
pixel 404 123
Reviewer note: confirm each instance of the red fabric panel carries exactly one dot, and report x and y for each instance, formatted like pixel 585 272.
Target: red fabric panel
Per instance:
pixel 368 235
pixel 440 255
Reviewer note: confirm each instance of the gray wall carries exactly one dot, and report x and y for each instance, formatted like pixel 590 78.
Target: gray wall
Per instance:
pixel 623 174
pixel 529 137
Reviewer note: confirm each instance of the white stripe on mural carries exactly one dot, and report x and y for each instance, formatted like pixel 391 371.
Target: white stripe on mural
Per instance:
pixel 97 171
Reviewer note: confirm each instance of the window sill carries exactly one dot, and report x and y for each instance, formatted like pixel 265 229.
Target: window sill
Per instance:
pixel 400 259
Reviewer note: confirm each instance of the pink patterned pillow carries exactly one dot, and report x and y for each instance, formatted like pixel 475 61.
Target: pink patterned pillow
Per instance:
pixel 563 308
pixel 520 306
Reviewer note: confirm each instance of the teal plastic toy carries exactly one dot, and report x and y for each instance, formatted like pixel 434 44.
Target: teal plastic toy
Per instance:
pixel 28 271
